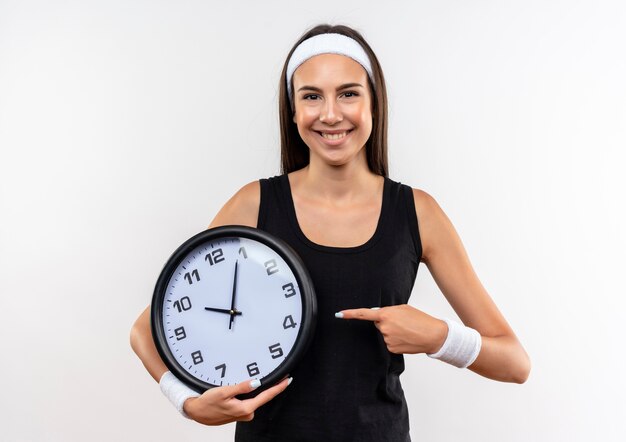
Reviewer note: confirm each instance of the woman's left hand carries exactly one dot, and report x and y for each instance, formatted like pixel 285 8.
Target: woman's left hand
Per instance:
pixel 405 329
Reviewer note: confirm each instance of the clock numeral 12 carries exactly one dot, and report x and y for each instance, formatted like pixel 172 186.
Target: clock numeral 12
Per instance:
pixel 276 351
pixel 197 357
pixel 216 256
pixel 253 369
pixel 183 304
pixel 223 368
pixel 271 267
pixel 242 251
pixel 188 276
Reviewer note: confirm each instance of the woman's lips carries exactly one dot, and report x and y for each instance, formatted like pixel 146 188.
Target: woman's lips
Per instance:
pixel 334 137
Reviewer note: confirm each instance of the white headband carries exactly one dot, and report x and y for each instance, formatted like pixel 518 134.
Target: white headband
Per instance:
pixel 327 44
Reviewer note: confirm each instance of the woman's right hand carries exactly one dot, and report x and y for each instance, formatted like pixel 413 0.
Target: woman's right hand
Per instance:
pixel 216 406
pixel 219 405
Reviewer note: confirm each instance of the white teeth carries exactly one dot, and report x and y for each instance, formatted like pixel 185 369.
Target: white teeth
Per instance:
pixel 334 136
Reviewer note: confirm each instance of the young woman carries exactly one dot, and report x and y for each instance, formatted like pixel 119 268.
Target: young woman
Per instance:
pixel 362 237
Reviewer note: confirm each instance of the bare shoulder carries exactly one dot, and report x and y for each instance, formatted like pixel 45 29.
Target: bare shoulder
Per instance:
pixel 435 227
pixel 242 208
pixel 422 199
pixel 425 203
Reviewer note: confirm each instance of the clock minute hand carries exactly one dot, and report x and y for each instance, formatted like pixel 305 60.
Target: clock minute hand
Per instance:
pixel 232 302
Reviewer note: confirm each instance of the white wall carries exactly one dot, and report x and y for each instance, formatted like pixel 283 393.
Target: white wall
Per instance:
pixel 125 125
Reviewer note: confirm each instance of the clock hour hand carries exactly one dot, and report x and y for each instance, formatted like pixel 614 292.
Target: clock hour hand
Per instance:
pixel 223 310
pixel 232 302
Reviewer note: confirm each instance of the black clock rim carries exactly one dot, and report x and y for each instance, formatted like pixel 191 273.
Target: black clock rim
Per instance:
pixel 307 293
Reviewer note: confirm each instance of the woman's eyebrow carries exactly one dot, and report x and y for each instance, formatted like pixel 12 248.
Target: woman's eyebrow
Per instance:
pixel 316 89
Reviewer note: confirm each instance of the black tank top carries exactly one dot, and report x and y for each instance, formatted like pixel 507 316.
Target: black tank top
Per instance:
pixel 347 386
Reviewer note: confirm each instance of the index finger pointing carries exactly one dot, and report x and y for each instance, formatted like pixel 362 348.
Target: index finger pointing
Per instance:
pixel 364 314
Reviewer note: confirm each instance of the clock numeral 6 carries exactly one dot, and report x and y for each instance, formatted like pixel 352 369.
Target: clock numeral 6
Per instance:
pixel 180 333
pixel 271 267
pixel 223 368
pixel 289 290
pixel 197 357
pixel 216 256
pixel 188 276
pixel 276 351
pixel 253 369
pixel 289 322
pixel 183 304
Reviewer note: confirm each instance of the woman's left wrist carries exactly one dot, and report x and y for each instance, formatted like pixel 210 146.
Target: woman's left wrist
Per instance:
pixel 440 333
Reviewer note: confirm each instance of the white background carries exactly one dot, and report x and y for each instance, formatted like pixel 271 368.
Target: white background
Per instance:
pixel 125 125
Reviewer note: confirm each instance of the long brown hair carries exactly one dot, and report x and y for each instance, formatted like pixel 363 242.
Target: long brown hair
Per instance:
pixel 294 152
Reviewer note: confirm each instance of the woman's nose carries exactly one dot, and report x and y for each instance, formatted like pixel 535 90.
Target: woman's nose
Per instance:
pixel 331 112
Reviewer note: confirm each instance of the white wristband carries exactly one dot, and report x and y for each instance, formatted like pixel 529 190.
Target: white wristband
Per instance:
pixel 461 347
pixel 176 391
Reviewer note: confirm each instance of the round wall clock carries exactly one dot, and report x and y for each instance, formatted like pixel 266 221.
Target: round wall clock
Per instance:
pixel 232 303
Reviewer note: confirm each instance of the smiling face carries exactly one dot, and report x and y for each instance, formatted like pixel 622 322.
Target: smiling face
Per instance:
pixel 333 108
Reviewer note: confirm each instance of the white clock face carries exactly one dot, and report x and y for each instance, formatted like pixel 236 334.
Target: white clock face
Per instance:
pixel 231 311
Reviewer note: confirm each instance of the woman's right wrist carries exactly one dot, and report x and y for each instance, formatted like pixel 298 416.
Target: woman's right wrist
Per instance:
pixel 177 392
pixel 188 408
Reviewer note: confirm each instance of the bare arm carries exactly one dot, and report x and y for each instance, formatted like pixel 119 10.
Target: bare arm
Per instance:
pixel 406 329
pixel 502 356
pixel 242 209
pixel 217 405
pixel 143 345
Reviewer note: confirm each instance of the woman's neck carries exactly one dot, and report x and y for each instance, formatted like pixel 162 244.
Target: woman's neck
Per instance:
pixel 340 184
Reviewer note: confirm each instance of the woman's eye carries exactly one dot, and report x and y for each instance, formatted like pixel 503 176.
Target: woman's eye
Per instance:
pixel 350 94
pixel 311 97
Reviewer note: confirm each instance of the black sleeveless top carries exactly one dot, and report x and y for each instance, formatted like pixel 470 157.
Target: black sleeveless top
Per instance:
pixel 347 386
